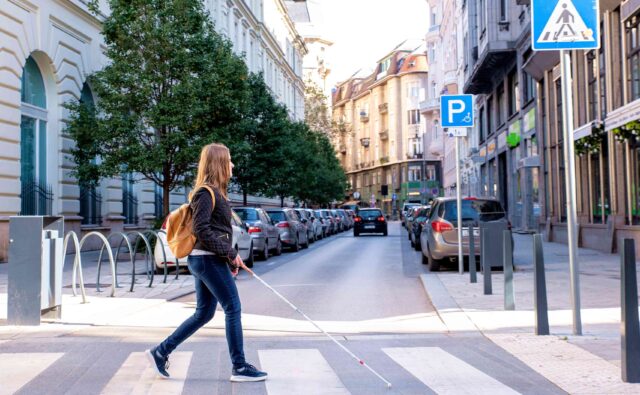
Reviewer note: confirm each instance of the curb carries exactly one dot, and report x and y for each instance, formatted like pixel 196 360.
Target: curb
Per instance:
pixel 451 315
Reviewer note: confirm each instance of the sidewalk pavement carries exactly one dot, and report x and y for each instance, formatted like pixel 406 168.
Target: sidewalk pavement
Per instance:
pixel 588 364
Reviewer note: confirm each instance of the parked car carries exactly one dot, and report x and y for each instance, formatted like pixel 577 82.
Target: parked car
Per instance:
pixel 305 218
pixel 408 219
pixel 326 214
pixel 345 218
pixel 439 240
pixel 417 224
pixel 240 239
pixel 370 220
pixel 338 220
pixel 292 233
pixel 405 208
pixel 266 238
pixel 325 222
pixel 317 224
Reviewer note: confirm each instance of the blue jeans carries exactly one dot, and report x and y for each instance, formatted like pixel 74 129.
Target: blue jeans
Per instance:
pixel 214 283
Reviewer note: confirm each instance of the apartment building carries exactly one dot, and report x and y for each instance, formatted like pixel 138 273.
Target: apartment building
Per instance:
pixel 50 47
pixel 382 133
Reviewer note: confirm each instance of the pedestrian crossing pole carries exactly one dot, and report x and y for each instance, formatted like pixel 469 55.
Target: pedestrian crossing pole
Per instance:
pixel 570 184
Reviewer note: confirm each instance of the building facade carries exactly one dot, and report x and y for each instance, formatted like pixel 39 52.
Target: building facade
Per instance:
pixel 49 48
pixel 382 134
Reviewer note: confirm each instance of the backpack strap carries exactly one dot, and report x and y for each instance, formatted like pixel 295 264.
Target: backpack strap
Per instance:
pixel 213 196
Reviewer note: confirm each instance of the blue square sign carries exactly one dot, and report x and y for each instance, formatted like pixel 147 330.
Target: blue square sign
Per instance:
pixel 457 111
pixel 565 24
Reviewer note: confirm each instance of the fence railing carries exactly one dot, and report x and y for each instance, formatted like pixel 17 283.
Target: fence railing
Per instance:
pixel 90 206
pixel 37 198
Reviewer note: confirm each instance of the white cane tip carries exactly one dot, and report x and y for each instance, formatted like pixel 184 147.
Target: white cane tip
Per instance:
pixel 389 386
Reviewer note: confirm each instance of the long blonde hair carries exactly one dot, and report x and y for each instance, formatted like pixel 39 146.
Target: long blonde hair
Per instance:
pixel 213 168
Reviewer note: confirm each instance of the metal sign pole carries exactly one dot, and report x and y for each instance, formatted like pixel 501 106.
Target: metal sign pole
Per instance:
pixel 569 158
pixel 459 205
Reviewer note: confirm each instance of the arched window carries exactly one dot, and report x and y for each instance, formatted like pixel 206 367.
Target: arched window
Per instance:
pixel 36 195
pixel 90 198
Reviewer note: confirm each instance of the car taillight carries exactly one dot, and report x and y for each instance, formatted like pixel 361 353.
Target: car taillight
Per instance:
pixel 283 225
pixel 254 229
pixel 358 219
pixel 441 226
pixel 381 218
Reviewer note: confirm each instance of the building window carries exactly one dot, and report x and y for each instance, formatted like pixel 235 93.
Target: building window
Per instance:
pixel 482 15
pixel 529 90
pixel 503 10
pixel 592 84
pixel 384 66
pixel 490 118
pixel 36 195
pixel 90 198
pixel 413 89
pixel 481 126
pixel 415 173
pixel 158 201
pixel 514 94
pixel 600 183
pixel 559 120
pixel 500 104
pixel 436 128
pixel 603 82
pixel 431 173
pixel 633 57
pixel 414 117
pixel 129 200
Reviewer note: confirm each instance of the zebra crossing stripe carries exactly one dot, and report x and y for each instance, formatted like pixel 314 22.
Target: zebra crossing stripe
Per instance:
pixel 444 373
pixel 137 376
pixel 17 369
pixel 303 371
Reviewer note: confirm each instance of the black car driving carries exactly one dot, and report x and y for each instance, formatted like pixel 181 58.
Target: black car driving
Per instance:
pixel 370 220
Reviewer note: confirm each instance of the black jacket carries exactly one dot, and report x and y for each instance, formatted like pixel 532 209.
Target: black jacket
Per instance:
pixel 213 228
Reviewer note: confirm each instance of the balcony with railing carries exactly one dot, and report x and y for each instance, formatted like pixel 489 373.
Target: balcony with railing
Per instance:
pixel 383 108
pixel 384 160
pixel 90 206
pixel 384 135
pixel 430 105
pixel 414 155
pixel 364 117
pixel 37 198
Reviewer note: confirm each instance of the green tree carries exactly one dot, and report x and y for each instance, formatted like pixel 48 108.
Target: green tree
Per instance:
pixel 316 110
pixel 172 85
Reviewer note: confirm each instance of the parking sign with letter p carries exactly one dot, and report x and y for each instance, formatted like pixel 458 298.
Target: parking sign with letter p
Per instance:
pixel 457 111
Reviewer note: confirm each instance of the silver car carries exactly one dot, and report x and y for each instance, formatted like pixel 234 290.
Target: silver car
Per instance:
pixel 305 218
pixel 266 238
pixel 324 222
pixel 439 237
pixel 292 233
pixel 317 224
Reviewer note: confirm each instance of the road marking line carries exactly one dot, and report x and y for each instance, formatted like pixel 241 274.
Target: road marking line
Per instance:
pixel 17 369
pixel 303 371
pixel 137 376
pixel 444 373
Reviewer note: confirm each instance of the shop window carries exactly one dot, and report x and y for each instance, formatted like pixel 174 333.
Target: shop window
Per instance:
pixel 514 95
pixel 481 126
pixel 432 174
pixel 635 181
pixel 600 184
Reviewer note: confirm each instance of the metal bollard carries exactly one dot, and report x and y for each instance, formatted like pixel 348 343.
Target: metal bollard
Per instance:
pixel 507 270
pixel 472 256
pixel 630 324
pixel 540 288
pixel 486 266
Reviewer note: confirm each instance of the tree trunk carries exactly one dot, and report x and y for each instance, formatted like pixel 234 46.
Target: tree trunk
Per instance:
pixel 166 199
pixel 281 201
pixel 244 197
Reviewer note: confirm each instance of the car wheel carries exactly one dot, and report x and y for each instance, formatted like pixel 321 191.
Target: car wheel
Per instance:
pixel 356 233
pixel 413 244
pixel 434 264
pixel 425 260
pixel 278 251
pixel 250 259
pixel 265 252
pixel 385 233
pixel 296 246
pixel 416 244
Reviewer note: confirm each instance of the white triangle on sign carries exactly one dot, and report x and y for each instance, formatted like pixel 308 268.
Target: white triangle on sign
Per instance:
pixel 566 25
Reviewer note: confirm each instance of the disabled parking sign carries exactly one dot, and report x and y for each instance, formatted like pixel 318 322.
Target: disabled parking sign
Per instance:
pixel 565 24
pixel 457 111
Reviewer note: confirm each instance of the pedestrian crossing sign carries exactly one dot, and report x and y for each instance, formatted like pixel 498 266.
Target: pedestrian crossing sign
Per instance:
pixel 565 24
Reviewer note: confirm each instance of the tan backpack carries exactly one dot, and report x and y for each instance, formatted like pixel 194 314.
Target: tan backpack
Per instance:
pixel 180 237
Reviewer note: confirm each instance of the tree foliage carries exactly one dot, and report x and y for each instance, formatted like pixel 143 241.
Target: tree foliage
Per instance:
pixel 173 84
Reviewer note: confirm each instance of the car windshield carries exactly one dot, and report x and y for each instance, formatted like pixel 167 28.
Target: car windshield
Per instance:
pixel 474 210
pixel 277 216
pixel 408 207
pixel 247 214
pixel 423 213
pixel 370 214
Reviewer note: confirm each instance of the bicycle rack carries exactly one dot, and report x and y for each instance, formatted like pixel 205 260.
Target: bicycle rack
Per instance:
pixel 123 238
pixel 105 243
pixel 77 264
pixel 141 236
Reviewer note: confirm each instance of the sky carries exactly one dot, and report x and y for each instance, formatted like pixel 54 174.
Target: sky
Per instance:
pixel 364 31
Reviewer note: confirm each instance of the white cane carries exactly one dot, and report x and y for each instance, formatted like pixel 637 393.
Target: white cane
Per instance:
pixel 360 361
